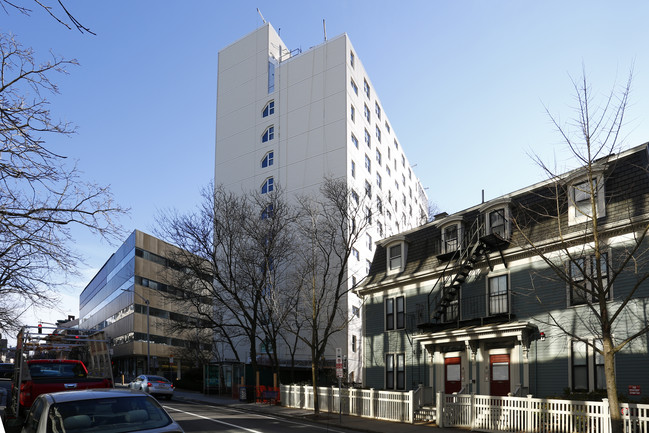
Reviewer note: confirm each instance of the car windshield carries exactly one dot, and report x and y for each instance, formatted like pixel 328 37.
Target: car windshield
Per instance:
pixel 157 379
pixel 107 415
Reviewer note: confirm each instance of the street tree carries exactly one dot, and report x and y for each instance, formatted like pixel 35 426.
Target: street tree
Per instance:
pixel 329 226
pixel 54 8
pixel 580 258
pixel 233 256
pixel 42 195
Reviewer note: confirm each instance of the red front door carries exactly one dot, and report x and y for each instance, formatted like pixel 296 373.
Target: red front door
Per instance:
pixel 453 375
pixel 499 374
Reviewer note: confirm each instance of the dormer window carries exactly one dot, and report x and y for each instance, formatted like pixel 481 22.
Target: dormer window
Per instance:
pixel 450 238
pixel 497 220
pixel 581 191
pixel 395 257
pixel 452 235
pixel 396 254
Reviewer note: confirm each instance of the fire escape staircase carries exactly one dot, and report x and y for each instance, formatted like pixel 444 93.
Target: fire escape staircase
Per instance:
pixel 452 284
pixel 457 269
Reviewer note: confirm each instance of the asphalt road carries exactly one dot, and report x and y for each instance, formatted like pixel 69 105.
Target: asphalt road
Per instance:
pixel 194 417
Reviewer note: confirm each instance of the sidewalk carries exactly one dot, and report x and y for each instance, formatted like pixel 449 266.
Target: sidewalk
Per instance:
pixel 330 419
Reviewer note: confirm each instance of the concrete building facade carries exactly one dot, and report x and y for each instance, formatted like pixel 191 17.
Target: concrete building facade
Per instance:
pixel 116 299
pixel 288 119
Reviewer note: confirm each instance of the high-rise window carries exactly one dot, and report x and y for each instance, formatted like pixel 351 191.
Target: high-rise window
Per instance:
pixel 269 109
pixel 267 212
pixel 268 135
pixel 377 108
pixel 271 75
pixel 366 111
pixel 369 242
pixel 368 139
pixel 355 141
pixel 378 157
pixel 378 133
pixel 352 112
pixel 368 163
pixel 355 196
pixel 267 186
pixel 366 87
pixel 352 59
pixel 268 159
pixel 354 86
pixel 353 169
pixel 379 180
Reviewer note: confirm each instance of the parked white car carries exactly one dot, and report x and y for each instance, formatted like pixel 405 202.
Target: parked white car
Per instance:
pixel 154 385
pixel 98 410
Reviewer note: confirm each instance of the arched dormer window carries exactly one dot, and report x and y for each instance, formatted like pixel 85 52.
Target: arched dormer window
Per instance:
pixel 269 134
pixel 497 218
pixel 397 254
pixel 452 229
pixel 580 192
pixel 269 109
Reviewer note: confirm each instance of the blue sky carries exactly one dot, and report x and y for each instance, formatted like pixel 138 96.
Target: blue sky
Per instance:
pixel 465 84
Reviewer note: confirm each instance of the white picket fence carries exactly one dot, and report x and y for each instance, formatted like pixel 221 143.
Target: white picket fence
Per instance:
pixel 368 403
pixel 527 414
pixel 477 412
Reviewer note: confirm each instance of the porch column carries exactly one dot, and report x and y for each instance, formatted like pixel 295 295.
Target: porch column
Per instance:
pixel 472 351
pixel 525 342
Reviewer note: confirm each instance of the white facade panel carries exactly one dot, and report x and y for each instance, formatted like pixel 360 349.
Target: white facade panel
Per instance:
pixel 312 123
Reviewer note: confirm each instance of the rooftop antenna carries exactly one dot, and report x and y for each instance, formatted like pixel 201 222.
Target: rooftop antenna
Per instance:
pixel 324 27
pixel 262 17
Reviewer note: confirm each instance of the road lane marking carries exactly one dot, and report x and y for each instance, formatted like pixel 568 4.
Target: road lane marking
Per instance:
pixel 280 419
pixel 214 420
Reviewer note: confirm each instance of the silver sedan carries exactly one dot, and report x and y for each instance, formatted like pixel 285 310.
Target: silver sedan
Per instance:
pixel 154 385
pixel 100 410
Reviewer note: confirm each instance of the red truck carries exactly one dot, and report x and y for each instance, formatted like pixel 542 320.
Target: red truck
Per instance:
pixel 52 375
pixel 63 359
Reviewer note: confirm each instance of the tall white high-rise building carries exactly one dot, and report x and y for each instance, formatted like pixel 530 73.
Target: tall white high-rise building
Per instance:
pixel 292 118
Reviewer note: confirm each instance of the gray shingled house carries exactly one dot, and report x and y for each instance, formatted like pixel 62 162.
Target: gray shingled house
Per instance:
pixel 469 303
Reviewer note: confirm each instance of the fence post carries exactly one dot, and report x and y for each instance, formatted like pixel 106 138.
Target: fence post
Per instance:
pixel 439 404
pixel 372 393
pixel 606 419
pixel 529 416
pixel 472 411
pixel 411 406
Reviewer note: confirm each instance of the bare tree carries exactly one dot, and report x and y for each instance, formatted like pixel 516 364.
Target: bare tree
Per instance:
pixel 41 195
pixel 580 257
pixel 330 224
pixel 56 9
pixel 234 255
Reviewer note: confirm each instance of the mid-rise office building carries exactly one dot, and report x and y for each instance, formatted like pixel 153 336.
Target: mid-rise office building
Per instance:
pixel 126 299
pixel 289 118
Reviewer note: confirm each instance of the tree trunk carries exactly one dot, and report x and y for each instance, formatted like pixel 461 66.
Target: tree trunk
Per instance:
pixel 314 381
pixel 611 385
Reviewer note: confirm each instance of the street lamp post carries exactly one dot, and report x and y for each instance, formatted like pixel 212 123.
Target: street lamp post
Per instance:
pixel 148 338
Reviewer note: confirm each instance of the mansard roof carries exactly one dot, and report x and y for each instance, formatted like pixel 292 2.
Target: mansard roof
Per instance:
pixel 535 210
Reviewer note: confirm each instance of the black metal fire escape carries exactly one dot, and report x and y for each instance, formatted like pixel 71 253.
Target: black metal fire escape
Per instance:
pixel 477 246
